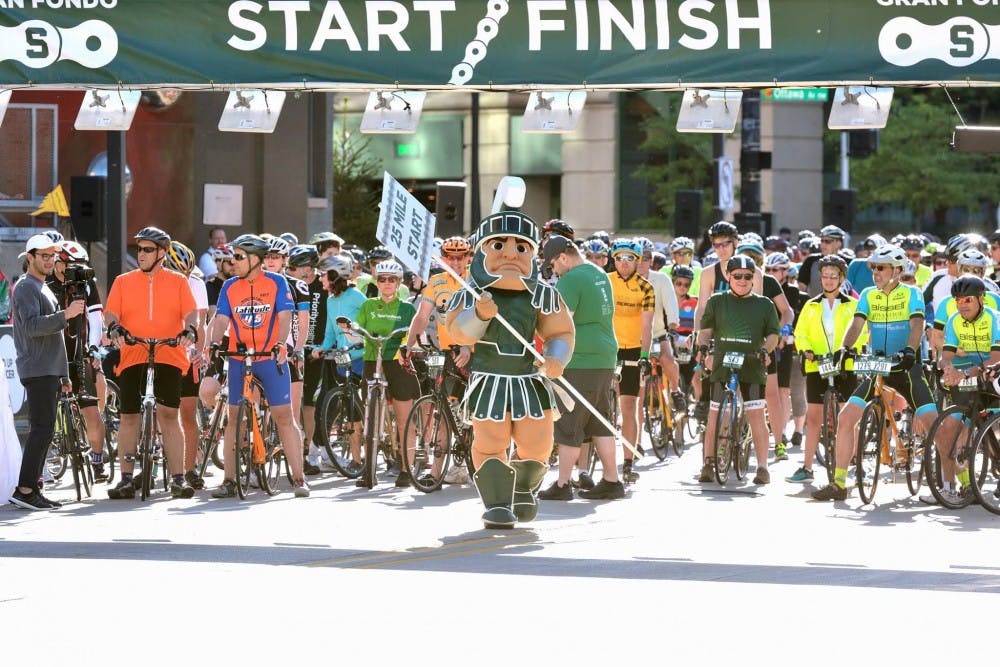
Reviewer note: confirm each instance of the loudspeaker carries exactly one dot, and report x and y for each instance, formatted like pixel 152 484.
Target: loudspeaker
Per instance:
pixel 862 143
pixel 687 213
pixel 87 208
pixel 449 210
pixel 843 209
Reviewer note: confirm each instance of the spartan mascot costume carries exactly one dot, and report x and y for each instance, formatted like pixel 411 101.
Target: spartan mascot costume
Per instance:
pixel 507 397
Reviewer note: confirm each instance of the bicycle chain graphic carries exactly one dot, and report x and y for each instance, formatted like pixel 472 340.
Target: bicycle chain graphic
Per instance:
pixel 38 44
pixel 960 41
pixel 475 51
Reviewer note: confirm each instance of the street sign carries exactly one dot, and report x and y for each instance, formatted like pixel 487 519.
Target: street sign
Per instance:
pixel 795 94
pixel 405 227
pixel 725 197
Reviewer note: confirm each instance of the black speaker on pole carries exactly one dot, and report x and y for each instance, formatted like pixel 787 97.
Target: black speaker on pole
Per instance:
pixel 687 213
pixel 87 208
pixel 449 210
pixel 843 209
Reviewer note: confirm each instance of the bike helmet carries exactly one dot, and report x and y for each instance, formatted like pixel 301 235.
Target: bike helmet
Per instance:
pixel 595 247
pixel 251 244
pixel 722 228
pixel 154 235
pixel 805 233
pixel 968 286
pixel 846 254
pixel 179 258
pixel 658 261
pixel 972 257
pixel 994 236
pixel 559 227
pixel 681 271
pixel 602 236
pixel 874 241
pixel 777 260
pixel 751 243
pixel 621 246
pixel 302 255
pixel 809 245
pixel 979 242
pixel 71 251
pixel 224 251
pixel 278 245
pixel 681 243
pixel 646 245
pixel 737 262
pixel 888 254
pixel 456 245
pixel 832 232
pixel 323 238
pixel 912 242
pixel 379 254
pixel 776 244
pixel 290 238
pixel 54 236
pixel 956 244
pixel 391 267
pixel 338 264
pixel 835 261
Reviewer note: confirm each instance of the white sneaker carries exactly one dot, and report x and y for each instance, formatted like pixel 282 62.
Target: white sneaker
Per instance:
pixel 950 495
pixel 301 490
pixel 457 475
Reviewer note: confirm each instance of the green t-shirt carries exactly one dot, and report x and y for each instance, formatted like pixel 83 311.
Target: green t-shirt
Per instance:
pixel 587 292
pixel 739 325
pixel 381 318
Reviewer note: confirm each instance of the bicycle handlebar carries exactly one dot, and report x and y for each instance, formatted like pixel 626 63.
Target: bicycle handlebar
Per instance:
pixel 375 338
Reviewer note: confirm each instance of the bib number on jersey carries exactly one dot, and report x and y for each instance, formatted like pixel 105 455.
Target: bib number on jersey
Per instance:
pixel 733 360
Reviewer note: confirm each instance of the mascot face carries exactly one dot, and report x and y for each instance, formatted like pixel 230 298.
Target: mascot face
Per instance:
pixel 510 258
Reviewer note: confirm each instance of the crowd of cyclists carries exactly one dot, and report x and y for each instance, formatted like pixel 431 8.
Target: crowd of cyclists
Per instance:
pixel 767 316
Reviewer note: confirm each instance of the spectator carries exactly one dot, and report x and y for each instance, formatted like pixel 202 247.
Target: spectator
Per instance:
pixel 216 239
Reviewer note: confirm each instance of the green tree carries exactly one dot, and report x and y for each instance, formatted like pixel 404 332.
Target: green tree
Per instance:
pixel 355 200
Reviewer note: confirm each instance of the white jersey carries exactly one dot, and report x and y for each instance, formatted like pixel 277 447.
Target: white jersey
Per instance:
pixel 665 312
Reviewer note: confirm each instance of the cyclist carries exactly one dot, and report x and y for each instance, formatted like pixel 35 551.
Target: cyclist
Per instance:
pixel 365 282
pixel 327 243
pixel 913 245
pixel 224 261
pixel 723 237
pixel 938 288
pixel 151 302
pixel 738 321
pixel 683 277
pixel 820 329
pixel 831 240
pixel 858 273
pixel 180 258
pixel 664 319
pixel 971 341
pixel 380 316
pixel 256 308
pixel 682 254
pixel 894 313
pixel 635 302
pixel 969 262
pixel 596 252
pixel 85 333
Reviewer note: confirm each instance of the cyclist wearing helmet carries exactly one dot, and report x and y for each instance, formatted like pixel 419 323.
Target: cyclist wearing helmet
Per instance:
pixel 820 328
pixel 682 254
pixel 559 227
pixel 665 318
pixel 859 275
pixel 151 302
pixel 327 243
pixel 913 245
pixel 743 324
pixel 216 239
pixel 682 278
pixel 596 252
pixel 366 281
pixel 256 309
pixel 971 341
pixel 938 288
pixel 381 315
pixel 831 240
pixel 970 262
pixel 724 237
pixel 894 315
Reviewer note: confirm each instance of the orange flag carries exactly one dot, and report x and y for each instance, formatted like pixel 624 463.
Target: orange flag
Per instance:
pixel 54 202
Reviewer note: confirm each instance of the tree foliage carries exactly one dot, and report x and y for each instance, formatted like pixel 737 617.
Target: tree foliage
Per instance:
pixel 355 199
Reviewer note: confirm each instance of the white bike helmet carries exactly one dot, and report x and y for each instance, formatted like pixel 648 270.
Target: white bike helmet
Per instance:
pixel 888 254
pixel 973 257
pixel 391 267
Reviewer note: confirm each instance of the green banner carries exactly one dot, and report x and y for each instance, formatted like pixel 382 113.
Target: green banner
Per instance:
pixel 497 43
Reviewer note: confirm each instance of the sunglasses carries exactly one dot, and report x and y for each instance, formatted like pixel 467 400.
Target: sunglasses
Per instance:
pixel 388 279
pixel 625 258
pixel 828 240
pixel 776 270
pixel 274 256
pixel 741 276
pixel 965 299
pixel 237 257
pixel 682 283
pixel 147 248
pixel 881 267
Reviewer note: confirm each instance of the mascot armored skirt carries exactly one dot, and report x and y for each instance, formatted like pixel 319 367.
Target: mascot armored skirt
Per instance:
pixel 507 397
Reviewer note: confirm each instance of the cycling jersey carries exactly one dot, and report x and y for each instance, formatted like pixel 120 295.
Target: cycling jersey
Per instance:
pixel 665 303
pixel 300 295
pixel 739 324
pixel 252 307
pixel 686 307
pixel 976 339
pixel 813 332
pixel 381 318
pixel 889 315
pixel 721 284
pixel 948 307
pixel 633 297
pixel 439 290
pixel 317 312
pixel 346 304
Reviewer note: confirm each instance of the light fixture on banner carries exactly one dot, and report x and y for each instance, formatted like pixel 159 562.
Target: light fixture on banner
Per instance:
pixel 393 112
pixel 4 100
pixel 714 111
pixel 107 110
pixel 860 108
pixel 553 111
pixel 252 111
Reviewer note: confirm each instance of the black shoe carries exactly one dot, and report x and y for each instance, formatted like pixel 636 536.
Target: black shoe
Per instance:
pixel 310 469
pixel 195 482
pixel 677 398
pixel 30 501
pixel 605 490
pixel 556 492
pixel 124 491
pixel 628 474
pixel 404 480
pixel 796 439
pixel 100 474
pixel 181 489
pixel 585 482
pixel 54 503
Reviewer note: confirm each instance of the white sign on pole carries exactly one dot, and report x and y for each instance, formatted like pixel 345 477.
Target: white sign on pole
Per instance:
pixel 405 227
pixel 726 198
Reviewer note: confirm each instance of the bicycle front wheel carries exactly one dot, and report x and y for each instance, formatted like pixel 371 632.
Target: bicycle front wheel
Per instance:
pixel 373 424
pixel 652 416
pixel 827 452
pixel 984 466
pixel 744 442
pixel 244 448
pixel 337 427
pixel 911 453
pixel 147 443
pixel 76 436
pixel 427 443
pixel 725 436
pixel 868 459
pixel 948 433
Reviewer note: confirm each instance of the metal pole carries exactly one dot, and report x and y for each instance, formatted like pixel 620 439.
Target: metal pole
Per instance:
pixel 845 162
pixel 475 206
pixel 117 224
pixel 750 177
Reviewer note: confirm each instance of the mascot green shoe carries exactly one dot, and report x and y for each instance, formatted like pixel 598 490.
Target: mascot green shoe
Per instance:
pixel 495 483
pixel 529 478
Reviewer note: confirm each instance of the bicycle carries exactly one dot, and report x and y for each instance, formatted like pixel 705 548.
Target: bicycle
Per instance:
pixel 374 437
pixel 70 442
pixel 435 432
pixel 340 409
pixel 111 415
pixel 251 415
pixel 877 444
pixel 984 465
pixel 212 434
pixel 733 439
pixel 829 366
pixel 664 425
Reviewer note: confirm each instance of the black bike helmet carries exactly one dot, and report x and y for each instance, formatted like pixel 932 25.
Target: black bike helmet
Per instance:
pixel 379 254
pixel 835 261
pixel 251 244
pixel 723 228
pixel 303 255
pixel 968 286
pixel 559 227
pixel 154 235
pixel 681 271
pixel 740 262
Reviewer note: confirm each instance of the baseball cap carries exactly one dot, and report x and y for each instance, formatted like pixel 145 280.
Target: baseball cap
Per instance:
pixel 554 246
pixel 39 242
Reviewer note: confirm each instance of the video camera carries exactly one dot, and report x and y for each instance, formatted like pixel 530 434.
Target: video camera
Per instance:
pixel 75 278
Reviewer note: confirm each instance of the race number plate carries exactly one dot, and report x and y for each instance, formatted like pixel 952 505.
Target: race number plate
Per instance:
pixel 872 366
pixel 969 384
pixel 435 360
pixel 827 367
pixel 684 355
pixel 342 358
pixel 654 349
pixel 733 359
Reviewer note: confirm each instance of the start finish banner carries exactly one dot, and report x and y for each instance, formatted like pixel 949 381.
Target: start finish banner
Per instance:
pixel 496 43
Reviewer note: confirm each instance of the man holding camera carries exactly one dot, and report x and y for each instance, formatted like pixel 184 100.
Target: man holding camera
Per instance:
pixel 41 363
pixel 73 279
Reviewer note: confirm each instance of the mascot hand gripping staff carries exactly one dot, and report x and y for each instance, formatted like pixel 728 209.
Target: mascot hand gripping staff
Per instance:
pixel 507 397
